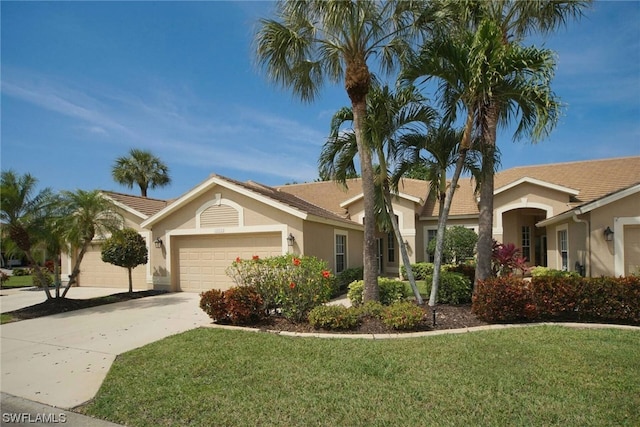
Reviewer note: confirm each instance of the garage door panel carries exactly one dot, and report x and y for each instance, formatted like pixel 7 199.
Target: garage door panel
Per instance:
pixel 214 255
pixel 96 273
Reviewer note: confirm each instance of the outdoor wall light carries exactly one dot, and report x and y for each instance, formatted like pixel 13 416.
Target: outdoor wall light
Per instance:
pixel 608 234
pixel 158 243
pixel 291 239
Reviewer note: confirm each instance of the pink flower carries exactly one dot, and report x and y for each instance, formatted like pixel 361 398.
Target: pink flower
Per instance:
pixel 326 274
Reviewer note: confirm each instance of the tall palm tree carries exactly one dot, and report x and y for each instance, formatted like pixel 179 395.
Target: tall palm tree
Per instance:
pixel 143 168
pixel 312 41
pixel 536 106
pixel 389 116
pixel 471 67
pixel 23 212
pixel 85 215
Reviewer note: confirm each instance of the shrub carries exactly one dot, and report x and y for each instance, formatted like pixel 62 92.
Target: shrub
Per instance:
pixel 212 302
pixel 403 315
pixel 4 277
pixel 566 298
pixel 391 290
pixel 290 284
pixel 539 271
pixel 21 272
pixel 420 270
pixel 345 277
pixel 240 305
pixel 371 309
pixel 459 244
pixel 333 317
pixel 244 305
pixel 47 277
pixel 468 269
pixel 503 299
pixel 454 288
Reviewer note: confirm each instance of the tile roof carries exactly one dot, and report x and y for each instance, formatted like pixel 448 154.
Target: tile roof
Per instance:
pixel 288 199
pixel 143 205
pixel 329 194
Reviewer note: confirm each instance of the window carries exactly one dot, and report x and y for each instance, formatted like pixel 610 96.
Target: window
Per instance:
pixel 563 248
pixel 526 242
pixel 391 248
pixel 341 252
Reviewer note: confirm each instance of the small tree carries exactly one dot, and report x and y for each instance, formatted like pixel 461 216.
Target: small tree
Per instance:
pixel 125 248
pixel 459 244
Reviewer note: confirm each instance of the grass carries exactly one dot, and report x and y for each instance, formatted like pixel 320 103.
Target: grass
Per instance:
pixel 18 282
pixel 544 375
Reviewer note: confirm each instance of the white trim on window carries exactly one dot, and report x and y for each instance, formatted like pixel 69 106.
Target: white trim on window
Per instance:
pixel 343 263
pixel 564 229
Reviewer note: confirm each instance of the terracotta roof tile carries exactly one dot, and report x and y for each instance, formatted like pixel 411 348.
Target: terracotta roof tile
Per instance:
pixel 144 205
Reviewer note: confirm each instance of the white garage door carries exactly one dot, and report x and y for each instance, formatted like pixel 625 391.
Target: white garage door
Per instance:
pixel 202 260
pixel 95 273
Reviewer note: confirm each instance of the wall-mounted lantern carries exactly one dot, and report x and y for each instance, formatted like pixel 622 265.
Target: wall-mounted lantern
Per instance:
pixel 158 243
pixel 608 234
pixel 291 239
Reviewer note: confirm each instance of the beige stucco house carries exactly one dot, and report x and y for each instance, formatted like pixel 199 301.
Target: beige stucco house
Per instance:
pixel 556 213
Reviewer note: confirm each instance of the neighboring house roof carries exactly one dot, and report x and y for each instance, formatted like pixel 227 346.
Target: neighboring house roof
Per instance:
pixel 331 195
pixel 269 195
pixel 595 204
pixel 143 207
pixel 583 182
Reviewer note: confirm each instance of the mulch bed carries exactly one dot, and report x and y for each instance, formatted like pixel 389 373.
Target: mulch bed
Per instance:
pixel 447 317
pixel 63 305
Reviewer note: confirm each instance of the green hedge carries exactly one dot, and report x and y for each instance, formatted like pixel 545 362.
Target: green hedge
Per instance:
pixel 391 290
pixel 604 299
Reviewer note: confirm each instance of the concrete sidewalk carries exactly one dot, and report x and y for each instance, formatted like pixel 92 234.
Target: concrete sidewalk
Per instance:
pixel 61 360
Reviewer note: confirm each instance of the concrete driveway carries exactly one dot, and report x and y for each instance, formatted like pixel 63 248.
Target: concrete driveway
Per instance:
pixel 13 299
pixel 61 360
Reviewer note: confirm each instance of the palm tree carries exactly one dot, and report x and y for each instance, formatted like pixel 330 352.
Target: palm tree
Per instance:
pixel 317 40
pixel 85 215
pixel 141 167
pixel 23 212
pixel 471 67
pixel 389 116
pixel 533 101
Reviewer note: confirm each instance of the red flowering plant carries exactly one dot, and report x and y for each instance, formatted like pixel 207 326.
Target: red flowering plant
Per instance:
pixel 290 285
pixel 507 259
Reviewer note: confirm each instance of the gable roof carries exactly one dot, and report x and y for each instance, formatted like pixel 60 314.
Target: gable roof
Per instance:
pixel 332 196
pixel 142 207
pixel 262 193
pixel 583 181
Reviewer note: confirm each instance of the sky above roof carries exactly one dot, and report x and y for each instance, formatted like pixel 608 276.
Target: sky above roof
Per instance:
pixel 84 82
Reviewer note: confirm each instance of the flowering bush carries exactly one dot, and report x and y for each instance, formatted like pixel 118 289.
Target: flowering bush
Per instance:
pixel 290 284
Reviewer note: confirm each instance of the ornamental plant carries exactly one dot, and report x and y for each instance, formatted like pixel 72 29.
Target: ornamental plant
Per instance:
pixel 241 305
pixel 391 290
pixel 289 284
pixel 506 259
pixel 403 315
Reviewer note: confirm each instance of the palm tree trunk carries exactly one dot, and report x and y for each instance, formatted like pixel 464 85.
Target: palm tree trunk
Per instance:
pixel 444 212
pixel 403 247
pixel 370 274
pixel 73 278
pixel 37 270
pixel 485 219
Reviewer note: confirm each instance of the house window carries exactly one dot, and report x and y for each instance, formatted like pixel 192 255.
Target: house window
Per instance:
pixel 431 235
pixel 563 248
pixel 391 248
pixel 341 252
pixel 526 242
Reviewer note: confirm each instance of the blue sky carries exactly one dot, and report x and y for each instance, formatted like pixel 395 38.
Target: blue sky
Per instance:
pixel 84 82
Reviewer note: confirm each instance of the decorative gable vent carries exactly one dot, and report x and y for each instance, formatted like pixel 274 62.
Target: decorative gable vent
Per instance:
pixel 219 212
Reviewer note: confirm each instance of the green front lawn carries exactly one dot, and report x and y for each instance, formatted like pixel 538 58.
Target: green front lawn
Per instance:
pixel 18 282
pixel 544 375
